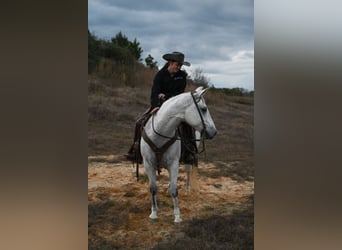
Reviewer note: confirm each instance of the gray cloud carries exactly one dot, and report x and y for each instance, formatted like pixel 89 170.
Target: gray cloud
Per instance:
pixel 209 32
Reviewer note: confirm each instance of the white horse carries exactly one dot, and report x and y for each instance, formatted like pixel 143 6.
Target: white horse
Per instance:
pixel 159 134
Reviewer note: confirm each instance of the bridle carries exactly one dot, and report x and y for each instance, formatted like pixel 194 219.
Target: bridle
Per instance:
pixel 203 123
pixel 199 112
pixel 202 120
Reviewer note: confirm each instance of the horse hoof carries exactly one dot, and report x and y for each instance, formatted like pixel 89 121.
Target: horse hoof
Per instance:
pixel 153 216
pixel 178 220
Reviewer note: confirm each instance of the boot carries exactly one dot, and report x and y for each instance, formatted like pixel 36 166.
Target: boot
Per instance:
pixel 135 147
pixel 133 151
pixel 130 154
pixel 189 159
pixel 189 154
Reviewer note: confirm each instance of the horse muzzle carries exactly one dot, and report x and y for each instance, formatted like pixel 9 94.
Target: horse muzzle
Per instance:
pixel 210 133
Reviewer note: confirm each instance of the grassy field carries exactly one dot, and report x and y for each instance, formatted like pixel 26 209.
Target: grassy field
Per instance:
pixel 112 111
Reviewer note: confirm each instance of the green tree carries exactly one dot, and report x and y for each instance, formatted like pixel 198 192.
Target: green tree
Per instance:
pixel 120 40
pixel 135 49
pixel 94 51
pixel 149 60
pixel 121 54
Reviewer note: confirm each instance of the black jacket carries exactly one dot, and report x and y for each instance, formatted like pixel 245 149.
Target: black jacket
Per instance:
pixel 170 86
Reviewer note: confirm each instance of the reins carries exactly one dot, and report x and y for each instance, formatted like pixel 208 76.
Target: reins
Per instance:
pixel 161 150
pixel 164 136
pixel 179 138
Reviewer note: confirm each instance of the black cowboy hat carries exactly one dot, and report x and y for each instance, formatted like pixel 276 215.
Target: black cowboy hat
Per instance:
pixel 177 57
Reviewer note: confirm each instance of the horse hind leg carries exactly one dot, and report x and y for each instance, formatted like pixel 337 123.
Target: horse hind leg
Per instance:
pixel 192 181
pixel 188 169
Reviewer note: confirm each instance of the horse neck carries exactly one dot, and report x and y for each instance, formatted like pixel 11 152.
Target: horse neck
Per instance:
pixel 167 119
pixel 171 113
pixel 166 124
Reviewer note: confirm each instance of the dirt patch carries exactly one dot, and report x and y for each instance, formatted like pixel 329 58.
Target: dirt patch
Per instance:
pixel 119 206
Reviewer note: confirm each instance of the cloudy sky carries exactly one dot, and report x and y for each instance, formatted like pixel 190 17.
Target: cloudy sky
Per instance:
pixel 216 36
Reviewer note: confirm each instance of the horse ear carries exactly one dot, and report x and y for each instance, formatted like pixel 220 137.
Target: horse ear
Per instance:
pixel 199 89
pixel 199 92
pixel 203 91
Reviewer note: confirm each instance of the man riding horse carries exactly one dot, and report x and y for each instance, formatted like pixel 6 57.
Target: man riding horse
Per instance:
pixel 168 82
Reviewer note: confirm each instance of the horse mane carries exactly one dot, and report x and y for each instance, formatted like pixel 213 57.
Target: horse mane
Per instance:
pixel 175 101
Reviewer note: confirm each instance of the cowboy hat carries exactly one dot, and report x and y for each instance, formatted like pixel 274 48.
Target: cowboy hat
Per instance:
pixel 177 57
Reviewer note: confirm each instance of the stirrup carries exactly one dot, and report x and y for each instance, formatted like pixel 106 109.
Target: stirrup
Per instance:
pixel 135 146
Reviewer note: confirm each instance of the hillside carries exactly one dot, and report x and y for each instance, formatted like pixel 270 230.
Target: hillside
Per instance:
pixel 218 212
pixel 113 109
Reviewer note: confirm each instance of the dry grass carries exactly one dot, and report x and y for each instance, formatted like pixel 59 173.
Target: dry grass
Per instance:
pixel 119 208
pixel 113 108
pixel 217 230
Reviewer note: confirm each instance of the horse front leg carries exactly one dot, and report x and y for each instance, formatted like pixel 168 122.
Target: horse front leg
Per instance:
pixel 173 189
pixel 153 190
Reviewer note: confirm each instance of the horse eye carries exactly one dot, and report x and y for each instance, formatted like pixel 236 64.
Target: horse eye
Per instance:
pixel 203 109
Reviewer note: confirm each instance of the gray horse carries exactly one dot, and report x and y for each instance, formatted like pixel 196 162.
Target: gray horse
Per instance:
pixel 159 134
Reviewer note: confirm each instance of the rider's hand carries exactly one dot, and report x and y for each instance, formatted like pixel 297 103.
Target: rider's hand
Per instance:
pixel 154 110
pixel 161 96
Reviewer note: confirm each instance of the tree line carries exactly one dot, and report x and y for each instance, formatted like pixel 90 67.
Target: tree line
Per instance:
pixel 124 56
pixel 119 49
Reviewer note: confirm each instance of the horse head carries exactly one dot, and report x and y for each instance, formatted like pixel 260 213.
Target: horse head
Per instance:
pixel 198 116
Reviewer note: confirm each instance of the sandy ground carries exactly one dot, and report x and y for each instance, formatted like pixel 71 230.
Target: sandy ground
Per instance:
pixel 113 179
